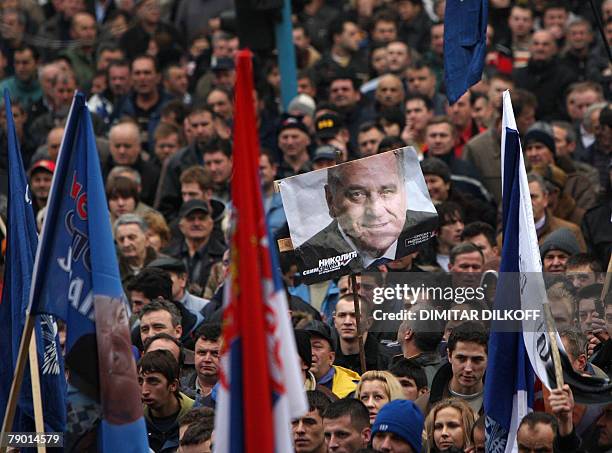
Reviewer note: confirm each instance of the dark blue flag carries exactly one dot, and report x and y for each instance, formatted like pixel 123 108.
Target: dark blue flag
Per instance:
pixel 76 278
pixel 22 240
pixel 465 45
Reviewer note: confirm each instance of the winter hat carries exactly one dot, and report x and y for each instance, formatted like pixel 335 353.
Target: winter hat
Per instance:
pixel 302 104
pixel 561 239
pixel 541 132
pixel 402 418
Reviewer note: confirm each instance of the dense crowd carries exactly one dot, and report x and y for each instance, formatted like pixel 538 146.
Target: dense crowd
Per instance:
pixel 159 76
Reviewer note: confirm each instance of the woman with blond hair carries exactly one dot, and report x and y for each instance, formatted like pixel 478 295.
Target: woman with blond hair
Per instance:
pixel 448 425
pixel 377 388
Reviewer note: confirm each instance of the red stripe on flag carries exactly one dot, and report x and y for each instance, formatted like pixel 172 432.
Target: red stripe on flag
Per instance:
pixel 250 265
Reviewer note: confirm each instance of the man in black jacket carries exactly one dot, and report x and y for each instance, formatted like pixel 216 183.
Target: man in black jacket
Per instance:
pixel 198 249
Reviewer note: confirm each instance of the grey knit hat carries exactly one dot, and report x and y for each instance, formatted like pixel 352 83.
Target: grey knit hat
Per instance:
pixel 561 239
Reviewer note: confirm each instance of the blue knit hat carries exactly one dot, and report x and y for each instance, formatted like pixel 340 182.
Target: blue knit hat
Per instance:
pixel 402 418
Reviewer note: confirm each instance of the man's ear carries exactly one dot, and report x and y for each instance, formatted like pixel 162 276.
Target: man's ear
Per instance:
pixel 366 435
pixel 408 335
pixel 173 386
pixel 423 391
pixel 179 330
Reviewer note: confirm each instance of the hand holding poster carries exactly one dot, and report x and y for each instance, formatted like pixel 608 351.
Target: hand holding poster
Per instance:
pixel 357 215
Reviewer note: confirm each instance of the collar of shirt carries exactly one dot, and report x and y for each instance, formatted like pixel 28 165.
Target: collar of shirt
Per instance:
pixel 368 259
pixel 329 376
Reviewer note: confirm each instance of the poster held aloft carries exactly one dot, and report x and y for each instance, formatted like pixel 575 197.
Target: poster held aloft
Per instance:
pixel 358 215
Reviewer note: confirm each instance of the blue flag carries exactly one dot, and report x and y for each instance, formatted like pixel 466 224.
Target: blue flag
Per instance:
pixel 22 240
pixel 76 278
pixel 510 378
pixel 465 45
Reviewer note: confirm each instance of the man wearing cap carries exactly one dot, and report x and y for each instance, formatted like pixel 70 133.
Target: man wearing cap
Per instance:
pixel 545 222
pixel 293 141
pixel 198 249
pixel 398 427
pixel 339 380
pixel 325 156
pixel 41 174
pixel 224 73
pixel 178 274
pixel 303 105
pixel 556 249
pixel 330 130
pixel 540 150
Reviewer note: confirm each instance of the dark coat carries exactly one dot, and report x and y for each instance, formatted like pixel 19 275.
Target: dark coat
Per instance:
pixel 170 186
pixel 198 269
pixel 329 243
pixel 548 81
pixel 149 175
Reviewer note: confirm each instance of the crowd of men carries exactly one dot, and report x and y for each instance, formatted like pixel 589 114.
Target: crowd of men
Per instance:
pixel 159 76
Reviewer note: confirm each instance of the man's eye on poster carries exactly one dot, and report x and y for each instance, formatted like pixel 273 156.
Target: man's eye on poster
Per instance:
pixel 358 215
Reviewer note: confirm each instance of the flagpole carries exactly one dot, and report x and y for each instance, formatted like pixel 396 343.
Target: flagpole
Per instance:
pixel 554 346
pixel 362 361
pixel 11 406
pixel 36 397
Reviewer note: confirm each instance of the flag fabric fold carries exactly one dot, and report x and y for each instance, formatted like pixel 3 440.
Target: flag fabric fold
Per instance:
pixel 509 383
pixel 22 240
pixel 465 45
pixel 261 389
pixel 76 278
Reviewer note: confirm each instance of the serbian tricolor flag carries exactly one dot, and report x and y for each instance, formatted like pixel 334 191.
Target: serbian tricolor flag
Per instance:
pixel 261 387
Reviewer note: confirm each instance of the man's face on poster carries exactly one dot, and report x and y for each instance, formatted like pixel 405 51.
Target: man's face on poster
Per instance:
pixel 368 199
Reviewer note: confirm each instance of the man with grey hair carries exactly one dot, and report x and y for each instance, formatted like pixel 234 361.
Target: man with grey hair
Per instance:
pixel 371 224
pixel 133 244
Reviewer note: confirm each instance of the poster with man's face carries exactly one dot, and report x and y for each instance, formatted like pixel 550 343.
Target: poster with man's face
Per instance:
pixel 358 215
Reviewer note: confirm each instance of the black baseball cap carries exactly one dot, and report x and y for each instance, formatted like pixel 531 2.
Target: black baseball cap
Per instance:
pixel 328 125
pixel 168 263
pixel 223 64
pixel 321 330
pixel 292 122
pixel 326 152
pixel 192 206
